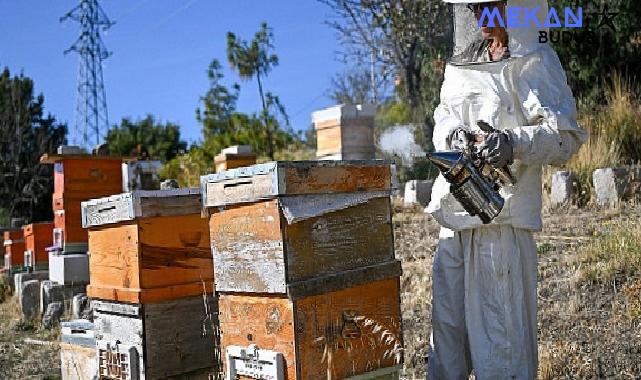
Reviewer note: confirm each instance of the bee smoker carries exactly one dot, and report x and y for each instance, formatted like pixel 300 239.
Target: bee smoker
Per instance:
pixel 475 188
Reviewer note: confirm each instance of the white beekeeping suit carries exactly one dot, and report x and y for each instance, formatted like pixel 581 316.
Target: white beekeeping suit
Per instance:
pixel 484 280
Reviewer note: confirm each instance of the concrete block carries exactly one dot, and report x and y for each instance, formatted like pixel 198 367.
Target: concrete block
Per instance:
pixel 51 317
pixel 20 278
pixel 80 306
pixel 51 292
pixel 169 184
pixel 30 300
pixel 562 185
pixel 418 191
pixel 609 185
pixel 69 269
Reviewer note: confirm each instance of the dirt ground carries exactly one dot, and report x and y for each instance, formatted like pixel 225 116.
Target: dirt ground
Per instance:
pixel 587 330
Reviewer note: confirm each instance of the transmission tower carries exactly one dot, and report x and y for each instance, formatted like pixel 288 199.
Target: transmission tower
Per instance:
pixel 92 122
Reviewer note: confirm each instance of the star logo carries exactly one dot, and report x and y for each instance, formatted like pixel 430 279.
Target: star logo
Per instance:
pixel 605 17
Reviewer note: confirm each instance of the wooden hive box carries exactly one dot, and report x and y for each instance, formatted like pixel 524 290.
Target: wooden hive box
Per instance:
pixel 305 271
pixel 148 246
pixel 234 157
pixel 345 132
pixel 172 339
pixel 280 223
pixel 338 327
pixel 13 249
pixel 78 178
pixel 38 237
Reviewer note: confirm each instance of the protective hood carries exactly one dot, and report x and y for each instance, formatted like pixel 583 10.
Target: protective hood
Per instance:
pixel 470 46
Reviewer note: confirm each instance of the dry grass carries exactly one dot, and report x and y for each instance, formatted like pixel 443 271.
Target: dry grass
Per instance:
pixel 20 357
pixel 612 255
pixel 614 135
pixel 5 289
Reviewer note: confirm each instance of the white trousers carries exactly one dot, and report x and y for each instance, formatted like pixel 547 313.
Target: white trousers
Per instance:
pixel 484 305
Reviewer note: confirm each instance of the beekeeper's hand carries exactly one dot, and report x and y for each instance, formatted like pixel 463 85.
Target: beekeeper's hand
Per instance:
pixel 459 139
pixel 498 150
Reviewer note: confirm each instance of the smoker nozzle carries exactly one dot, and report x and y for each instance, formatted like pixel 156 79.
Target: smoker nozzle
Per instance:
pixel 445 161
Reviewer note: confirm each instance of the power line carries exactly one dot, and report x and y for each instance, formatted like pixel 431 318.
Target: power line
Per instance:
pixel 92 121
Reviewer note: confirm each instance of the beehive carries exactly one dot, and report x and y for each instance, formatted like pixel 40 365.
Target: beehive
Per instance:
pixel 78 178
pixel 304 252
pixel 291 221
pixel 148 246
pixel 345 132
pixel 13 249
pixel 157 340
pixel 234 157
pixel 344 325
pixel 37 236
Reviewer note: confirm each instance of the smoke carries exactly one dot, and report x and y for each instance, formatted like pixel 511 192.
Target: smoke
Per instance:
pixel 399 141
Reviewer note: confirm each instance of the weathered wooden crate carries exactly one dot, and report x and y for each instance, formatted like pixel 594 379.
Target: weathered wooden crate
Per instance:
pixel 13 248
pixel 37 236
pixel 78 178
pixel 287 222
pixel 177 338
pixel 262 247
pixel 148 246
pixel 332 327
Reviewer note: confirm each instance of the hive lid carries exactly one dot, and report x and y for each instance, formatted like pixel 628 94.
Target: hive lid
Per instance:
pixel 140 204
pixel 54 158
pixel 284 178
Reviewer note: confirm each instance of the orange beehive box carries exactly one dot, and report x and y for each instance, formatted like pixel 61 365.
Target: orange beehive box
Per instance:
pixel 13 248
pixel 148 246
pixel 37 236
pixel 78 178
pixel 321 329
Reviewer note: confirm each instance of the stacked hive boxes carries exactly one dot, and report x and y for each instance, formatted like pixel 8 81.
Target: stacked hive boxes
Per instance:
pixel 305 271
pixel 234 157
pixel 37 236
pixel 77 178
pixel 13 249
pixel 152 285
pixel 345 132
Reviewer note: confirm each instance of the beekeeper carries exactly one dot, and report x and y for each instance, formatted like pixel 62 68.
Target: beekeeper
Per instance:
pixel 484 276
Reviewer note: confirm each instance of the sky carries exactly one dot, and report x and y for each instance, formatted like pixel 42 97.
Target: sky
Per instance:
pixel 161 52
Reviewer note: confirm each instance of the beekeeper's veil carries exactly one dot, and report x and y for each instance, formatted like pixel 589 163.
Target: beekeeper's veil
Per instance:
pixel 469 45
